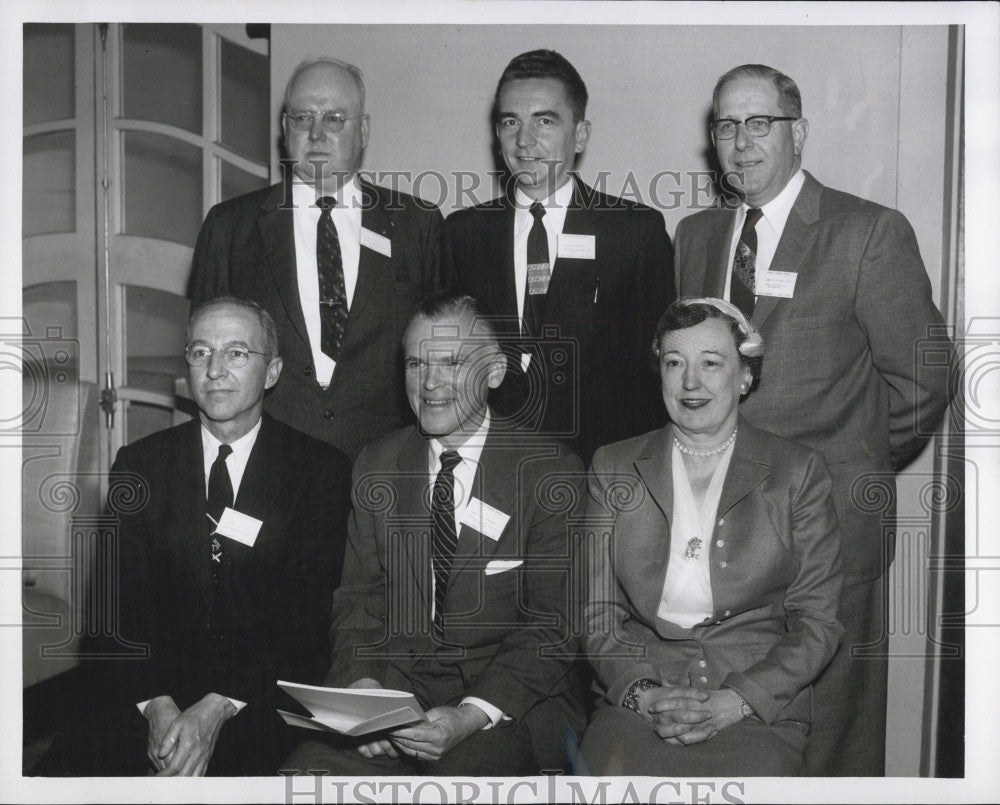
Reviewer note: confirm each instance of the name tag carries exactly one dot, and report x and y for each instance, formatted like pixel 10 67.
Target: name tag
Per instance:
pixel 484 518
pixel 776 283
pixel 376 242
pixel 576 247
pixel 238 526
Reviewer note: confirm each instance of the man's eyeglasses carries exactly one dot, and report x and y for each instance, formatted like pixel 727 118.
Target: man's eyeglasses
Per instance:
pixel 330 122
pixel 756 125
pixel 232 357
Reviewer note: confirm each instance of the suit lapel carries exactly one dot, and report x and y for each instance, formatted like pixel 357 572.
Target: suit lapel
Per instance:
pixel 186 488
pixel 716 266
pixel 653 549
pixel 796 243
pixel 277 233
pixel 264 474
pixel 413 490
pixel 570 276
pixel 747 468
pixel 374 268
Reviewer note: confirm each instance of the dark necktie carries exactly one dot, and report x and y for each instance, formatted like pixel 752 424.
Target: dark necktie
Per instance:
pixel 332 290
pixel 539 272
pixel 220 496
pixel 445 537
pixel 741 289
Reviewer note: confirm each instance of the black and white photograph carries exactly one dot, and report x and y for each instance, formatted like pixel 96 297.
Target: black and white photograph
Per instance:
pixel 500 401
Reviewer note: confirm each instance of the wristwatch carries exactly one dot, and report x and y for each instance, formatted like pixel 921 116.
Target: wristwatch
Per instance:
pixel 631 699
pixel 745 709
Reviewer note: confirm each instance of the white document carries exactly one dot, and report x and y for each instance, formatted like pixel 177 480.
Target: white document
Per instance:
pixel 376 242
pixel 776 283
pixel 351 711
pixel 238 526
pixel 576 247
pixel 488 521
pixel 500 565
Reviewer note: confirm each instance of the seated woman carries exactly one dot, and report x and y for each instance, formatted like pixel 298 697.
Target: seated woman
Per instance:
pixel 713 596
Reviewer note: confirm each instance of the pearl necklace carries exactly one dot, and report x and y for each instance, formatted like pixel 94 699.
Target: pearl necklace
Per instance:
pixel 706 453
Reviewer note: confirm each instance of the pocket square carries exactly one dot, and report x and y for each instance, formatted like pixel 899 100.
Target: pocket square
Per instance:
pixel 500 565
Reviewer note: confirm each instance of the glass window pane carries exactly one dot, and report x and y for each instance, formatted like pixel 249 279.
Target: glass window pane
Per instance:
pixel 142 419
pixel 161 74
pixel 245 125
pixel 49 55
pixel 236 182
pixel 49 198
pixel 163 181
pixel 155 323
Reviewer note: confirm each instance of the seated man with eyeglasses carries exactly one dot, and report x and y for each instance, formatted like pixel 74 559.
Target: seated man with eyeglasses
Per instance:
pixel 230 538
pixel 340 263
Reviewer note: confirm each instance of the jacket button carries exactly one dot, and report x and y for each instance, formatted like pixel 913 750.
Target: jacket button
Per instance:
pixel 721 542
pixel 328 414
pixel 702 663
pixel 726 613
pixel 722 521
pixel 722 563
pixel 308 371
pixel 704 679
pixel 411 653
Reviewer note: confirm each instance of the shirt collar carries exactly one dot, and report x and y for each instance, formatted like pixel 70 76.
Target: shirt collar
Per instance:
pixel 776 211
pixel 559 200
pixel 304 194
pixel 470 451
pixel 241 447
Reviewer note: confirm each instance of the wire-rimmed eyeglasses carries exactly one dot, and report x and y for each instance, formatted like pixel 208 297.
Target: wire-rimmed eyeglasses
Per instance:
pixel 756 126
pixel 330 122
pixel 232 357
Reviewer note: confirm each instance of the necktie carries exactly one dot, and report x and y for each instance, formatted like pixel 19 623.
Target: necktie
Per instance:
pixel 741 293
pixel 220 496
pixel 445 537
pixel 332 290
pixel 538 272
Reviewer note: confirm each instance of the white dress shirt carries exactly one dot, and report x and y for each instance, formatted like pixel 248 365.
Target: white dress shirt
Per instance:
pixel 464 475
pixel 236 464
pixel 769 228
pixel 347 219
pixel 686 598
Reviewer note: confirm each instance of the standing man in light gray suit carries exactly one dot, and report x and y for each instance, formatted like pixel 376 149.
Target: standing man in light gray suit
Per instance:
pixel 837 288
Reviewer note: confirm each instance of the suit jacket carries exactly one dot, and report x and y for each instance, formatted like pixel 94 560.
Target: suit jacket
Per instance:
pixel 509 640
pixel 247 248
pixel 775 574
pixel 270 618
pixel 590 383
pixel 843 371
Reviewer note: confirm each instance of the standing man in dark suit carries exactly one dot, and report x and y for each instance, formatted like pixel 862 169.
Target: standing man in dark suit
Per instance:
pixel 579 277
pixel 339 263
pixel 836 286
pixel 456 582
pixel 231 533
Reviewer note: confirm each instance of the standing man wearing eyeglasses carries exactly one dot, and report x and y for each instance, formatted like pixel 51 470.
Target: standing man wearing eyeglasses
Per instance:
pixel 836 286
pixel 339 263
pixel 579 278
pixel 230 534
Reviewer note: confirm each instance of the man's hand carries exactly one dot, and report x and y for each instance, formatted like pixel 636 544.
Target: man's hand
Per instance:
pixel 382 746
pixel 160 713
pixel 189 741
pixel 447 727
pixel 675 711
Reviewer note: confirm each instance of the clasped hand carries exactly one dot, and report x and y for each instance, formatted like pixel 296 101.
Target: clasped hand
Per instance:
pixel 688 715
pixel 181 744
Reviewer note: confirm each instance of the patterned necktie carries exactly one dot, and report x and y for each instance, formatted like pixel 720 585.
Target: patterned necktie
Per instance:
pixel 332 290
pixel 220 496
pixel 538 272
pixel 742 293
pixel 445 536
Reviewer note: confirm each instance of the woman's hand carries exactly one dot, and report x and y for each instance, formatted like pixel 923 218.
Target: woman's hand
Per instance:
pixel 673 711
pixel 720 708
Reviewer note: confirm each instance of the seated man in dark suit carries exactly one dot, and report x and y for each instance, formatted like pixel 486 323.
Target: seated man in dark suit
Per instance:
pixel 230 533
pixel 460 597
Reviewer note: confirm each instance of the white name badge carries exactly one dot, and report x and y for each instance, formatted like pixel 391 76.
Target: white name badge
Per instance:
pixel 776 283
pixel 576 247
pixel 238 526
pixel 376 242
pixel 484 518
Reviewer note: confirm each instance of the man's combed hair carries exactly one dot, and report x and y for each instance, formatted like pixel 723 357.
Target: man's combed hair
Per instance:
pixel 443 304
pixel 789 98
pixel 267 324
pixel 547 64
pixel 353 71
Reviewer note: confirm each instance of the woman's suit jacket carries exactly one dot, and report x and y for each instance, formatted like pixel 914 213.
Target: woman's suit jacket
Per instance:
pixel 775 574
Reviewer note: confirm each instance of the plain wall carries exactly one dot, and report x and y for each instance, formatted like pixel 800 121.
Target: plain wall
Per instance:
pixel 875 98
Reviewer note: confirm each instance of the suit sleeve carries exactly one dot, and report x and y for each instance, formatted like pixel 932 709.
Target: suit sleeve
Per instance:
pixel 811 602
pixel 360 603
pixel 655 290
pixel 617 662
pixel 210 264
pixel 433 268
pixel 535 656
pixel 896 311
